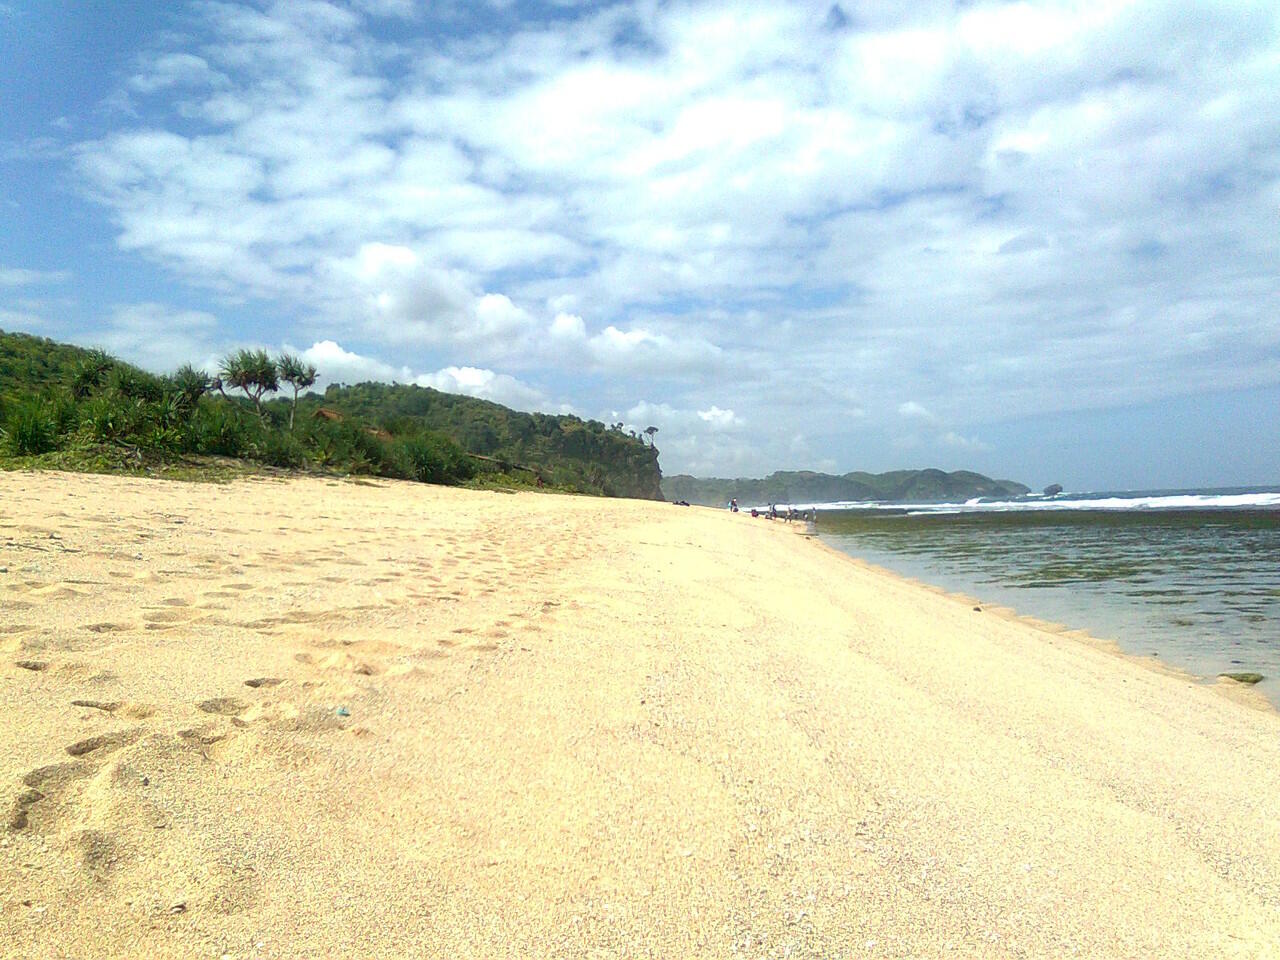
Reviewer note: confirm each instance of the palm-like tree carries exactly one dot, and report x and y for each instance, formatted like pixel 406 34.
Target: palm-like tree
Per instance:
pixel 190 384
pixel 251 371
pixel 298 375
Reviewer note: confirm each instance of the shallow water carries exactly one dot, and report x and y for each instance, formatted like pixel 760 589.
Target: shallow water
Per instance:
pixel 1198 588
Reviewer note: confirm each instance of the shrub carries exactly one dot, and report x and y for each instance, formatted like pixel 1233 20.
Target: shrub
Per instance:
pixel 135 384
pixel 190 384
pixel 29 428
pixel 431 458
pixel 279 449
pixel 223 429
pixel 111 417
pixel 90 373
pixel 64 411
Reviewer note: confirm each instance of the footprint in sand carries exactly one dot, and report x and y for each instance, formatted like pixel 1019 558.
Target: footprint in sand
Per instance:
pixel 98 852
pixel 105 743
pixel 167 616
pixel 44 783
pixel 223 706
pixel 49 782
pixel 110 627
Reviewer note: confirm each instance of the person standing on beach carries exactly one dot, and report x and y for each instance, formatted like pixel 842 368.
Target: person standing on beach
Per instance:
pixel 733 505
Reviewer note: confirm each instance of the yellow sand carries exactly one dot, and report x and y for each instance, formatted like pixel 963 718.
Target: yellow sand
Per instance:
pixel 534 726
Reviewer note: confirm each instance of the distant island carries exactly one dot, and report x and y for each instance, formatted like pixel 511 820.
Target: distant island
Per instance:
pixel 806 486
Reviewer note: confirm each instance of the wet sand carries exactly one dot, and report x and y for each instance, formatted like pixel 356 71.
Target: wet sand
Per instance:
pixel 323 718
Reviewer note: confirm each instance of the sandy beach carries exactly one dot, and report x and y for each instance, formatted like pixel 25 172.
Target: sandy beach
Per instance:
pixel 331 718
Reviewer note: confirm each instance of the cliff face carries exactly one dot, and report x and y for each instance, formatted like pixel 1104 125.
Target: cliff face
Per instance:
pixel 804 486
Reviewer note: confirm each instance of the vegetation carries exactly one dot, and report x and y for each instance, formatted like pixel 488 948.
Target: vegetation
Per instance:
pixel 1245 677
pixel 523 448
pixel 298 375
pixel 250 371
pixel 898 486
pixel 70 408
pixel 65 407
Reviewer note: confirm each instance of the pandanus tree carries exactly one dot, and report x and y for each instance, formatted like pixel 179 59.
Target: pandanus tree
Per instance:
pixel 250 371
pixel 298 375
pixel 190 384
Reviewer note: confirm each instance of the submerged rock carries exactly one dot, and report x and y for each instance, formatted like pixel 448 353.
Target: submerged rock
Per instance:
pixel 1244 677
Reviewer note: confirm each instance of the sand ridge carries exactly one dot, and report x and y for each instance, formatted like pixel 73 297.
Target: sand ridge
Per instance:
pixel 371 719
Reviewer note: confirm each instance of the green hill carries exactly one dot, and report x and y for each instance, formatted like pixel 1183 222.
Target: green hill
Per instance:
pixel 67 407
pixel 31 364
pixel 563 449
pixel 804 486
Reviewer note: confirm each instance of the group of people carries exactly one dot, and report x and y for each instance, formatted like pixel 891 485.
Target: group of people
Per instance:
pixel 790 515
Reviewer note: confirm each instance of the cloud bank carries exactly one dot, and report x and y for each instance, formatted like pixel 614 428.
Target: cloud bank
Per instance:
pixel 858 221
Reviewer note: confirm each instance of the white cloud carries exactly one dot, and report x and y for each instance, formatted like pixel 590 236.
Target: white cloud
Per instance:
pixel 175 69
pixel 987 208
pixel 955 440
pixel 400 9
pixel 637 349
pixel 488 385
pixel 19 277
pixel 720 419
pixel 338 365
pixel 158 337
pixel 912 410
pixel 23 321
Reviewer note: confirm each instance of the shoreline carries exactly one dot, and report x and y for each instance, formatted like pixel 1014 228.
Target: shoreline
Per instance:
pixel 1246 694
pixel 372 719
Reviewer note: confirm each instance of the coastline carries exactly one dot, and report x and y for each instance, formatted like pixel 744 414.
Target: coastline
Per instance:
pixel 356 719
pixel 1243 693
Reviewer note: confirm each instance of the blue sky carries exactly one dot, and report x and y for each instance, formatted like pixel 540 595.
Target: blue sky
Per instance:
pixel 1034 239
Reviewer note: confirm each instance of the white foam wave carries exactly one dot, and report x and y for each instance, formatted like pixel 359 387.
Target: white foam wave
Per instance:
pixel 1182 501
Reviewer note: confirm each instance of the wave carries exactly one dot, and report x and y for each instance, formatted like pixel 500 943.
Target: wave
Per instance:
pixel 1147 501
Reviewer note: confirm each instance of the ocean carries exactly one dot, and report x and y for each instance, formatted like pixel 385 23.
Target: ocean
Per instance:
pixel 1191 577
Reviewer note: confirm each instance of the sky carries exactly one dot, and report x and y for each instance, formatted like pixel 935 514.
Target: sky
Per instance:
pixel 1040 240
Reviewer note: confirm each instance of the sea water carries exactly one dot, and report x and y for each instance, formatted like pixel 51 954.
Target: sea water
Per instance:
pixel 1191 577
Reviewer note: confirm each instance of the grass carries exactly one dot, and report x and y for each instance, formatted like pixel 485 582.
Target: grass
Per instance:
pixel 109 458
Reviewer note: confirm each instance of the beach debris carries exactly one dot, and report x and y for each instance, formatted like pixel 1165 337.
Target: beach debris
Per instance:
pixel 179 907
pixel 1243 677
pixel 343 712
pixel 977 609
pixel 34 665
pixel 106 706
pixel 263 682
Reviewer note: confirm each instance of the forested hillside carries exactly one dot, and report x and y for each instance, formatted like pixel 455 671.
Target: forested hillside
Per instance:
pixel 898 486
pixel 563 449
pixel 33 364
pixel 67 407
